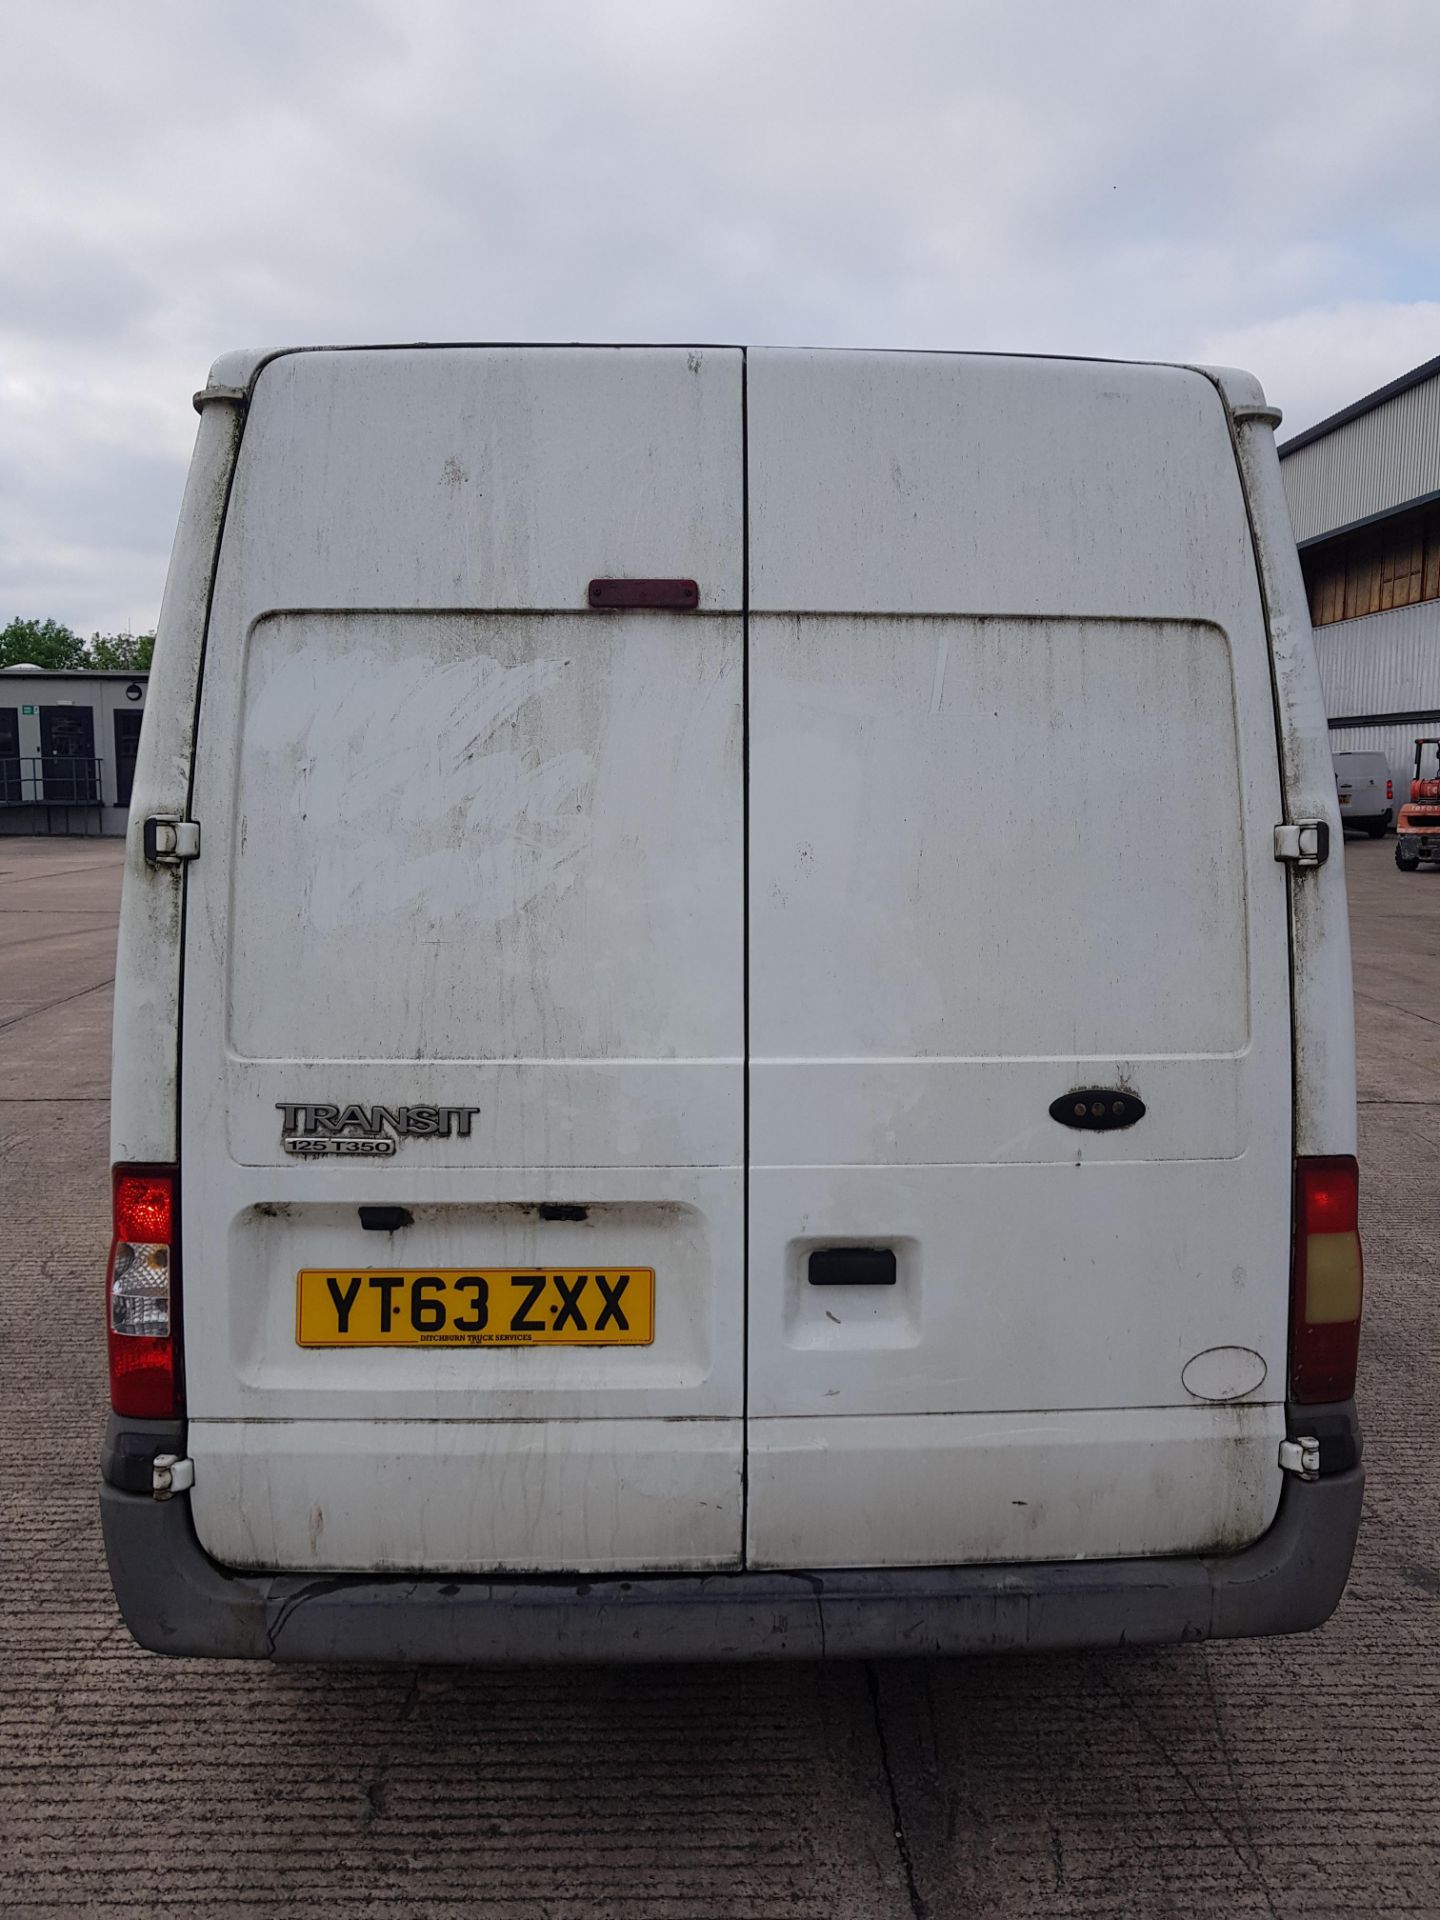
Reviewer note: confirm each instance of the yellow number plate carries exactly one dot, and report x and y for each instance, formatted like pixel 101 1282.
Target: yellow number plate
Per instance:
pixel 487 1307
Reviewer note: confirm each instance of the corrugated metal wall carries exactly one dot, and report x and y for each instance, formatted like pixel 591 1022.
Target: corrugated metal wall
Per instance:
pixel 1388 663
pixel 1369 465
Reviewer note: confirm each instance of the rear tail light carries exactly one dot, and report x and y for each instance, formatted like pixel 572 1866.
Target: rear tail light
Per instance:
pixel 143 1295
pixel 1327 1282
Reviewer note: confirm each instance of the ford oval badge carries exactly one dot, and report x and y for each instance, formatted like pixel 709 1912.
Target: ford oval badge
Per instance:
pixel 1098 1109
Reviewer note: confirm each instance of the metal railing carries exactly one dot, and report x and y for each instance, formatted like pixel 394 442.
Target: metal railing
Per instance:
pixel 49 780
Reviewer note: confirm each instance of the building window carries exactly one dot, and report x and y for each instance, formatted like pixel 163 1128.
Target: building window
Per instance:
pixel 1393 564
pixel 127 745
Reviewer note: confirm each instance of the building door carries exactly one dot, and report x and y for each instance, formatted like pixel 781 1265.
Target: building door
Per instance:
pixel 67 766
pixel 127 745
pixel 9 756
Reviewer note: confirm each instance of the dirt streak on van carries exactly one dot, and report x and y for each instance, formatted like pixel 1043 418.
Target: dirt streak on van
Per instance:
pixel 614 1115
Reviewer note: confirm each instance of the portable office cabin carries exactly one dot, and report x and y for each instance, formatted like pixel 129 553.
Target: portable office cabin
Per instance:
pixel 67 749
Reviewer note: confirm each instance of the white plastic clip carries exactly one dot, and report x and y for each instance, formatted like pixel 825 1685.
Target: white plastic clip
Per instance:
pixel 1301 1456
pixel 170 1474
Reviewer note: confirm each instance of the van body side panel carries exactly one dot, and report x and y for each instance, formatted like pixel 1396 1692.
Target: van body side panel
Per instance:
pixel 146 1048
pixel 471 906
pixel 1014 781
pixel 1324 1008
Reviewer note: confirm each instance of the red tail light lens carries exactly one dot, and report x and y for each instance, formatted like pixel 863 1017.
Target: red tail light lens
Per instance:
pixel 143 1204
pixel 1389 789
pixel 143 1295
pixel 1327 1282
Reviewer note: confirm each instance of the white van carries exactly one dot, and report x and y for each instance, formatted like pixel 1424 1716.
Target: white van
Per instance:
pixel 621 1151
pixel 1365 788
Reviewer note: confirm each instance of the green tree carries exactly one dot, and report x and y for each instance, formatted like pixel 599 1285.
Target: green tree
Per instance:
pixel 43 643
pixel 120 652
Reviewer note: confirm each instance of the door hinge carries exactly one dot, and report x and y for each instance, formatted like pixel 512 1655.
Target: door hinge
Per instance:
pixel 1301 1455
pixel 168 841
pixel 170 1474
pixel 1303 843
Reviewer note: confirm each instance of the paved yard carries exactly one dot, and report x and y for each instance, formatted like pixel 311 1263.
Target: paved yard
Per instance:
pixel 1284 1777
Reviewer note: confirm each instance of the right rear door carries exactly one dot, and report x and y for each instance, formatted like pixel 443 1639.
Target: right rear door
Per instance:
pixel 1013 776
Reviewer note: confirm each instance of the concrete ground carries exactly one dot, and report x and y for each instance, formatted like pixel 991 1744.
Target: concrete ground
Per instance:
pixel 1283 1777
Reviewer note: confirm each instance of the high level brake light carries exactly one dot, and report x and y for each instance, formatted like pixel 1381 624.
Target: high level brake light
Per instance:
pixel 1327 1282
pixel 142 1291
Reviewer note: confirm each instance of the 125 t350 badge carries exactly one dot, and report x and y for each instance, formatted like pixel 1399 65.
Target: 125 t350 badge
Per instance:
pixel 311 1130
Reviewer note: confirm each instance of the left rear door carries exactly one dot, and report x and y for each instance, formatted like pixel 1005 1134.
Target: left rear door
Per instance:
pixel 470 849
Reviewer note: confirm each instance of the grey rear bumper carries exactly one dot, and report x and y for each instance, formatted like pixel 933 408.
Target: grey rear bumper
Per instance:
pixel 176 1600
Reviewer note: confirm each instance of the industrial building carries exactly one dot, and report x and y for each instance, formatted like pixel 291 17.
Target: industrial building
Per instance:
pixel 67 749
pixel 1364 493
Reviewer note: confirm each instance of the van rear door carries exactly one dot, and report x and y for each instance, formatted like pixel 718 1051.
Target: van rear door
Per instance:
pixel 1014 780
pixel 463 988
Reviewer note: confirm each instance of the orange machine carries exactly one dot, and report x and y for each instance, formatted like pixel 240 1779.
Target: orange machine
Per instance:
pixel 1419 824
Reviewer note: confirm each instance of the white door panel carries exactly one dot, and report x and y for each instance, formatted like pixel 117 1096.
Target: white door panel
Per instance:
pixel 1018 1288
pixel 938 483
pixel 988 1111
pixel 526 823
pixel 483 1496
pixel 901 909
pixel 682 1222
pixel 486 478
pixel 1079 1486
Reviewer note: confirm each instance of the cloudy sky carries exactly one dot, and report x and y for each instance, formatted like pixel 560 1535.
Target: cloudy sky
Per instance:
pixel 1248 183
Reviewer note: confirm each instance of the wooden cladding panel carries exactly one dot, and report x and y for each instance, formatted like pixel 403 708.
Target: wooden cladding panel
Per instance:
pixel 1396 564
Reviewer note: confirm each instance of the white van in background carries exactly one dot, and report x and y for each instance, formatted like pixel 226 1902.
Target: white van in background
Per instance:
pixel 1365 788
pixel 619 1152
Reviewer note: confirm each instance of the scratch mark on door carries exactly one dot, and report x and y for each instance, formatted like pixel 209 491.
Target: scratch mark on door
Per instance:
pixel 942 657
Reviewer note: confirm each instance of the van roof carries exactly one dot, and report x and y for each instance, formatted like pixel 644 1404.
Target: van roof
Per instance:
pixel 234 373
